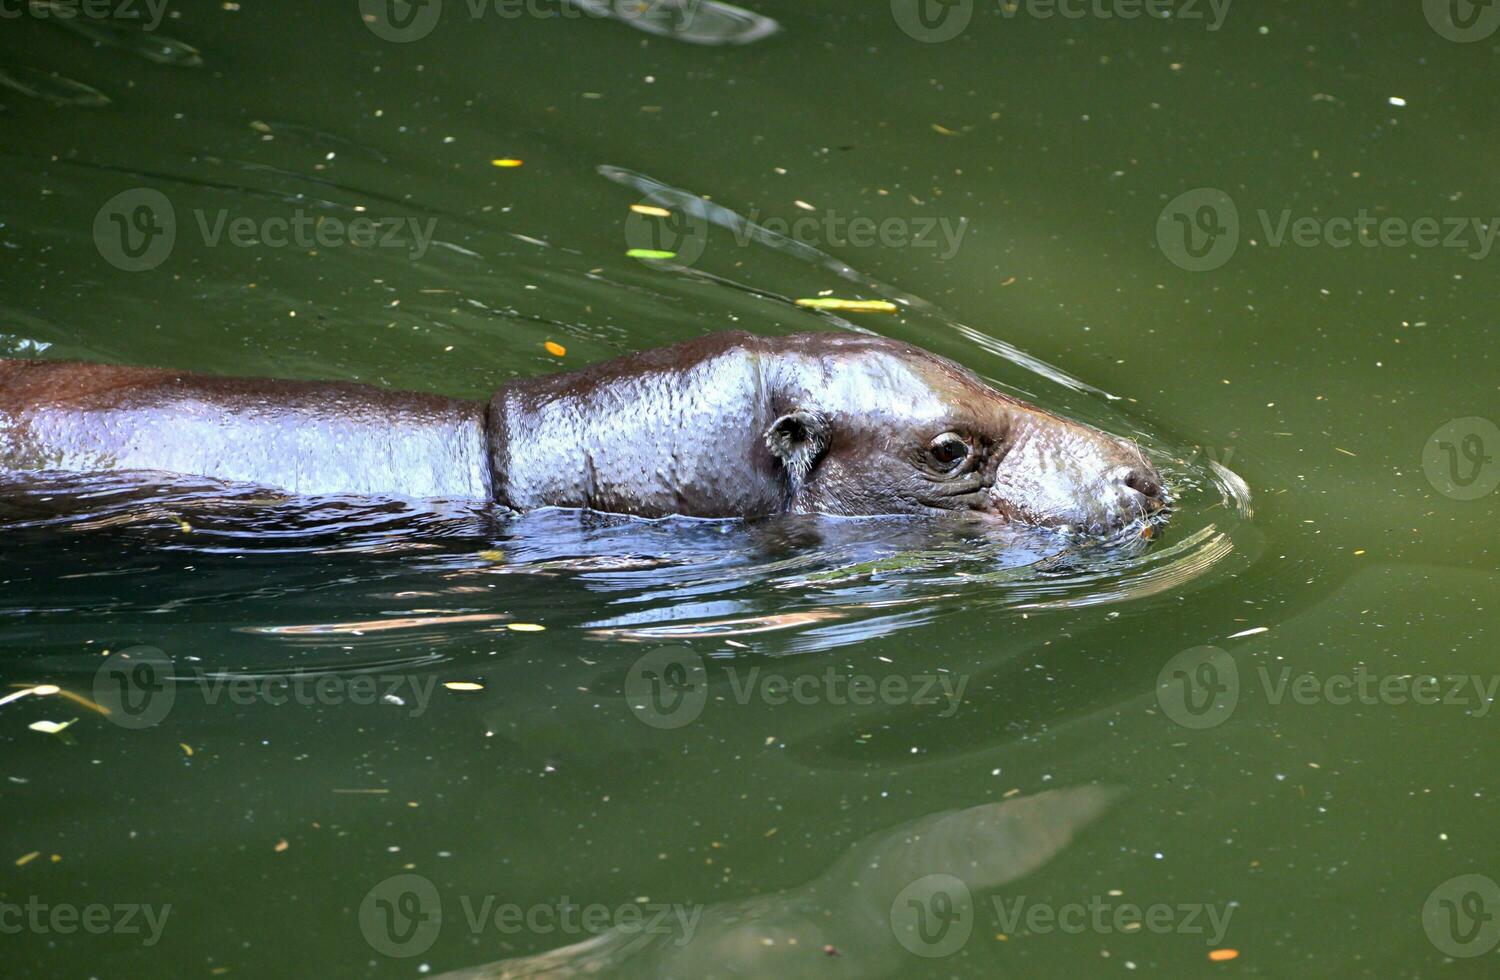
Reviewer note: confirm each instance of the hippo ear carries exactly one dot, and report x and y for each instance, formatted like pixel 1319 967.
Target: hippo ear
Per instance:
pixel 798 439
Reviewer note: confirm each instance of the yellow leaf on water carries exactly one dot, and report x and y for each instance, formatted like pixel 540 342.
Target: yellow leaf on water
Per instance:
pixel 50 727
pixel 649 253
pixel 525 627
pixel 186 748
pixel 848 305
pixel 27 858
pixel 555 349
pixel 463 686
pixel 506 162
pixel 652 210
pixel 492 555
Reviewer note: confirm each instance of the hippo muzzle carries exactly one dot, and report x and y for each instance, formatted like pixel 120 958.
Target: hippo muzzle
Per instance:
pixel 1059 473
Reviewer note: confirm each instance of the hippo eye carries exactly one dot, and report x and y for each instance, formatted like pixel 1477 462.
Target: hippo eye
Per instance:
pixel 948 450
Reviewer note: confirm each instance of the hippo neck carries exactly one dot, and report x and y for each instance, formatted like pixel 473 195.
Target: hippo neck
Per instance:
pixel 649 436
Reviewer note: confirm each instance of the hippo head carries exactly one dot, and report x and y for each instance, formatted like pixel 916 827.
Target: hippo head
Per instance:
pixel 866 425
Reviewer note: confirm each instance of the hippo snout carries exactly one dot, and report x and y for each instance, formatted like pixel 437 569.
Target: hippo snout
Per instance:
pixel 1139 482
pixel 1068 475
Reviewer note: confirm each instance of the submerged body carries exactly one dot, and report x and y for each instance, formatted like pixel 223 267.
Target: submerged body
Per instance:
pixel 730 425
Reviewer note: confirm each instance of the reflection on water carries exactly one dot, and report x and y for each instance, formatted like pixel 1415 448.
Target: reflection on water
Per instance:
pixel 822 582
pixel 912 887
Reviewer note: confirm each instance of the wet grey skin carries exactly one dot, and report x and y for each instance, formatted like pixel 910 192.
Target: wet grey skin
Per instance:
pixel 730 425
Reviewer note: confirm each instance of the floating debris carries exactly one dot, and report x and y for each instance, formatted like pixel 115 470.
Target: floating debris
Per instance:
pixel 50 727
pixel 41 691
pixel 849 305
pixel 525 627
pixel 1223 955
pixel 555 349
pixel 506 162
pixel 650 253
pixel 652 210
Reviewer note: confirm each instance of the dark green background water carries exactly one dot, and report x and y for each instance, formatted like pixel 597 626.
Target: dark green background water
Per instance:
pixel 1319 375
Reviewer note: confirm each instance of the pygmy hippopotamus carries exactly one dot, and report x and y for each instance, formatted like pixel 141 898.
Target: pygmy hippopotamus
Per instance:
pixel 729 425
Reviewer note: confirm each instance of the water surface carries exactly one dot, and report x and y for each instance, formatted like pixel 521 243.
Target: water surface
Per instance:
pixel 565 710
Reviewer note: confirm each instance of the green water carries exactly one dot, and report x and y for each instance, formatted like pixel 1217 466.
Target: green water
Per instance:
pixel 1029 170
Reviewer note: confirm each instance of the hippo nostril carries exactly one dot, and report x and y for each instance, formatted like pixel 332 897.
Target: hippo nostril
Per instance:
pixel 1144 483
